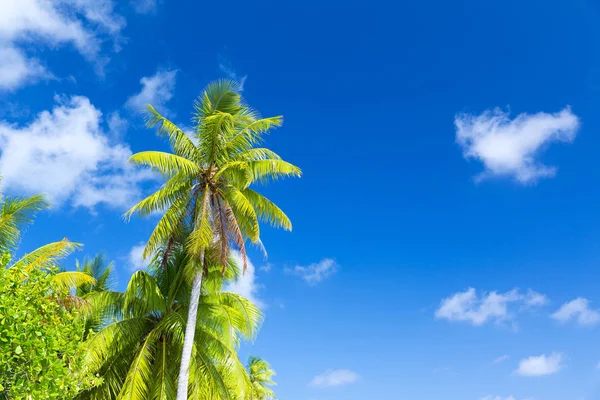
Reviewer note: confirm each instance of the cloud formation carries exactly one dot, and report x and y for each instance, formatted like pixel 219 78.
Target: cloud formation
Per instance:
pixel 493 306
pixel 135 257
pixel 65 154
pixel 579 310
pixel 85 24
pixel 541 365
pixel 501 359
pixel 246 285
pixel 144 6
pixel 334 377
pixel 315 273
pixel 157 90
pixel 511 147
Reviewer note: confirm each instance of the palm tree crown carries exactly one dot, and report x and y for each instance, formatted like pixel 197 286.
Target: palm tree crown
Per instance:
pixel 209 175
pixel 261 377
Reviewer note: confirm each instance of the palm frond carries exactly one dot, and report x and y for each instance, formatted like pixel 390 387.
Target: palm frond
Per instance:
pixel 47 255
pixel 167 195
pixel 250 134
pixel 243 210
pixel 143 296
pixel 16 212
pixel 267 211
pixel 166 164
pixel 72 280
pixel 182 145
pixel 265 170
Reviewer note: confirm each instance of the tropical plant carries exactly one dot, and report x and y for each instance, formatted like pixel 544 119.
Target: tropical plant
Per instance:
pixel 137 356
pixel 261 376
pixel 208 188
pixel 41 331
pixel 14 213
pixel 103 275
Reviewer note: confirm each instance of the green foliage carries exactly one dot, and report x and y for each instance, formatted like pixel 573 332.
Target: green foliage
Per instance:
pixel 14 213
pixel 137 355
pixel 208 177
pixel 261 376
pixel 103 276
pixel 41 346
pixel 207 190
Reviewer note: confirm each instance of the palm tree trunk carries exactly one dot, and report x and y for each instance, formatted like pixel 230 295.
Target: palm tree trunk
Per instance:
pixel 190 330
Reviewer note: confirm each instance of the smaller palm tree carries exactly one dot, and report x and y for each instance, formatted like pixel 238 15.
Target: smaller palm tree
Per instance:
pixel 14 213
pixel 261 377
pixel 138 354
pixel 103 275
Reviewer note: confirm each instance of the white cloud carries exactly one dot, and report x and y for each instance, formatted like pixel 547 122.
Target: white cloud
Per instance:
pixel 499 398
pixel 334 377
pixel 82 23
pixel 315 273
pixel 535 299
pixel 227 69
pixel 65 154
pixel 135 257
pixel 16 69
pixel 541 365
pixel 578 309
pixel 493 306
pixel 156 90
pixel 501 359
pixel 511 148
pixel 266 268
pixel 117 125
pixel 246 284
pixel 144 6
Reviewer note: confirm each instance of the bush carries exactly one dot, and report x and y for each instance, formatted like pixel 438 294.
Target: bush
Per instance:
pixel 41 345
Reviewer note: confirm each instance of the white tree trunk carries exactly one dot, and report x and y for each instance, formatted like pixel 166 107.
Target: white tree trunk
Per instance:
pixel 188 340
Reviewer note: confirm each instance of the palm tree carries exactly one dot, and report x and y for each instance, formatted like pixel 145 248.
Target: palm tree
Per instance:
pixel 18 211
pixel 261 376
pixel 14 213
pixel 208 188
pixel 137 355
pixel 103 275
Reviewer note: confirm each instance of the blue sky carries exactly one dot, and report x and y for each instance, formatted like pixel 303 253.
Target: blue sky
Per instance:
pixel 446 228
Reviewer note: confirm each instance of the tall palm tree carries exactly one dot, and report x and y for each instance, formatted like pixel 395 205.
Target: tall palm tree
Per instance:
pixel 261 376
pixel 208 188
pixel 137 356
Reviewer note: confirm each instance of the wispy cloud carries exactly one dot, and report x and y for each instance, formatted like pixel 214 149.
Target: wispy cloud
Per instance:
pixel 246 285
pixel 135 257
pixel 579 310
pixel 501 359
pixel 85 24
pixel 66 154
pixel 334 377
pixel 468 306
pixel 226 67
pixel 315 273
pixel 144 6
pixel 511 148
pixel 535 299
pixel 541 365
pixel 266 267
pixel 157 90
